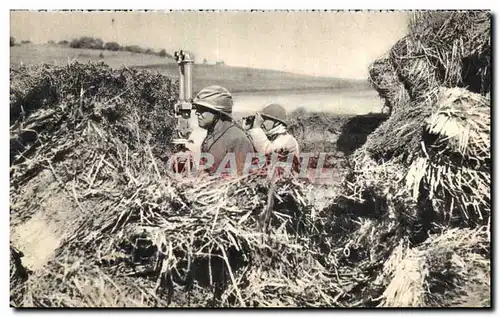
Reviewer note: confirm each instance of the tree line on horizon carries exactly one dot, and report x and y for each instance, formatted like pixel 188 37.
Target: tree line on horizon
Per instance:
pixel 98 44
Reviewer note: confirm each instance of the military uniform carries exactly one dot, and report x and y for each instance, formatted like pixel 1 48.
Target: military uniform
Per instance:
pixel 224 138
pixel 281 142
pixel 277 140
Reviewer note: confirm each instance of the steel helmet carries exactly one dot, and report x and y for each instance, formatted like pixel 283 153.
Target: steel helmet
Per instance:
pixel 276 112
pixel 216 98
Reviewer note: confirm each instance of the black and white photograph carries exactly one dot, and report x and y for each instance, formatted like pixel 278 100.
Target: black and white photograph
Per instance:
pixel 250 158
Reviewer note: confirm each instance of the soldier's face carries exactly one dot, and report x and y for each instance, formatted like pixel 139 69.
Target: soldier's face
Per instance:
pixel 267 125
pixel 205 117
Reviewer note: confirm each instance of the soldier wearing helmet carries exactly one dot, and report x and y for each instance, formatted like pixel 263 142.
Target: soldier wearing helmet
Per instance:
pixel 214 106
pixel 269 133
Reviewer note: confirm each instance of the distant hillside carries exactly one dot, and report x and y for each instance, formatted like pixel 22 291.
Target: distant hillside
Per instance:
pixel 236 79
pixel 239 79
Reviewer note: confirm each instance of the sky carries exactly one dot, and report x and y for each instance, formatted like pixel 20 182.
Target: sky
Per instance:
pixel 337 44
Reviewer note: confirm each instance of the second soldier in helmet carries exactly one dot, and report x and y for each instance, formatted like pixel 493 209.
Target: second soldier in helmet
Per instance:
pixel 269 134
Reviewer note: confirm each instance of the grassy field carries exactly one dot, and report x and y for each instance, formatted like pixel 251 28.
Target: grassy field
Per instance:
pixel 236 79
pixel 243 79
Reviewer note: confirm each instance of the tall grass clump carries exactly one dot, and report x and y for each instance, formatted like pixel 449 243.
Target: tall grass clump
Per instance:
pixel 429 164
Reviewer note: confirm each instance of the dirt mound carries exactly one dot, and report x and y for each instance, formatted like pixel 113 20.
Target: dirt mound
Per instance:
pixel 355 131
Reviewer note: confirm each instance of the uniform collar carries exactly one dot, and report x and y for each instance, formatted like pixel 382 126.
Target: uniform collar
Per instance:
pixel 214 133
pixel 220 127
pixel 276 132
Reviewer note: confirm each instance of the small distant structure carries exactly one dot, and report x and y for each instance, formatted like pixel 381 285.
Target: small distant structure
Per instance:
pixel 220 63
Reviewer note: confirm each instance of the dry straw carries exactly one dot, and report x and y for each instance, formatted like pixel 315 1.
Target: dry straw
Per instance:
pixel 132 236
pixel 447 270
pixel 384 80
pixel 436 161
pixel 455 162
pixel 445 49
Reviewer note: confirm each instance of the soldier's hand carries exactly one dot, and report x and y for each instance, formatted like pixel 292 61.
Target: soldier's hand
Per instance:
pixel 258 120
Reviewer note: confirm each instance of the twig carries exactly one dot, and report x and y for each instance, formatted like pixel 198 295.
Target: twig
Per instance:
pixel 242 302
pixel 99 165
pixel 153 161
